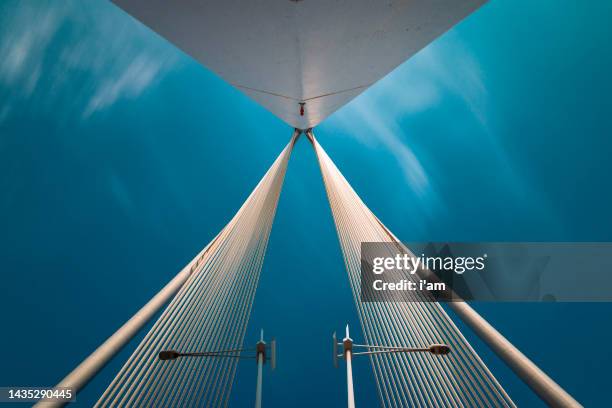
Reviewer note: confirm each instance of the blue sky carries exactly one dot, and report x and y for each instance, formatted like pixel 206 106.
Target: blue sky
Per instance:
pixel 120 158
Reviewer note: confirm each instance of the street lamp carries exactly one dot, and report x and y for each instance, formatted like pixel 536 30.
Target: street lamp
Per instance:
pixel 348 354
pixel 261 355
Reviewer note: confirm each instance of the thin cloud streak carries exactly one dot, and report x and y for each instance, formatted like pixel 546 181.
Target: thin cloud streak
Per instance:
pixel 137 76
pixel 443 71
pixel 375 118
pixel 42 57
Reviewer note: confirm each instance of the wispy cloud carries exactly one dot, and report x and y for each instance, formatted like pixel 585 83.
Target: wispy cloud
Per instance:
pixel 386 130
pixel 444 72
pixel 136 77
pixel 375 117
pixel 25 37
pixel 96 51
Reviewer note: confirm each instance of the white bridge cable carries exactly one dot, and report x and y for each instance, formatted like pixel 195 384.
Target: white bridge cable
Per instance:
pixel 408 319
pixel 209 313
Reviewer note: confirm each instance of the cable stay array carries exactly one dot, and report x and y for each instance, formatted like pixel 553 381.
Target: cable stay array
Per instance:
pixel 210 312
pixel 190 355
pixel 461 379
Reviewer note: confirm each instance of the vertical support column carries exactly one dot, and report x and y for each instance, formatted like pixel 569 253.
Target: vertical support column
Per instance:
pixel 349 380
pixel 348 350
pixel 261 357
pixel 259 381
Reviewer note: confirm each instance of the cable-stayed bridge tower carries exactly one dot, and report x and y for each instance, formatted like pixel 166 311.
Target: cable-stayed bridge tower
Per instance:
pixel 302 60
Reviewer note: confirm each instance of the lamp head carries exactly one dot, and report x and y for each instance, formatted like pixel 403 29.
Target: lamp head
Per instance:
pixel 169 355
pixel 439 349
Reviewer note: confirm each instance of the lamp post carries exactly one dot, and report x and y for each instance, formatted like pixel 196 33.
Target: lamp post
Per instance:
pixel 261 355
pixel 261 350
pixel 348 354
